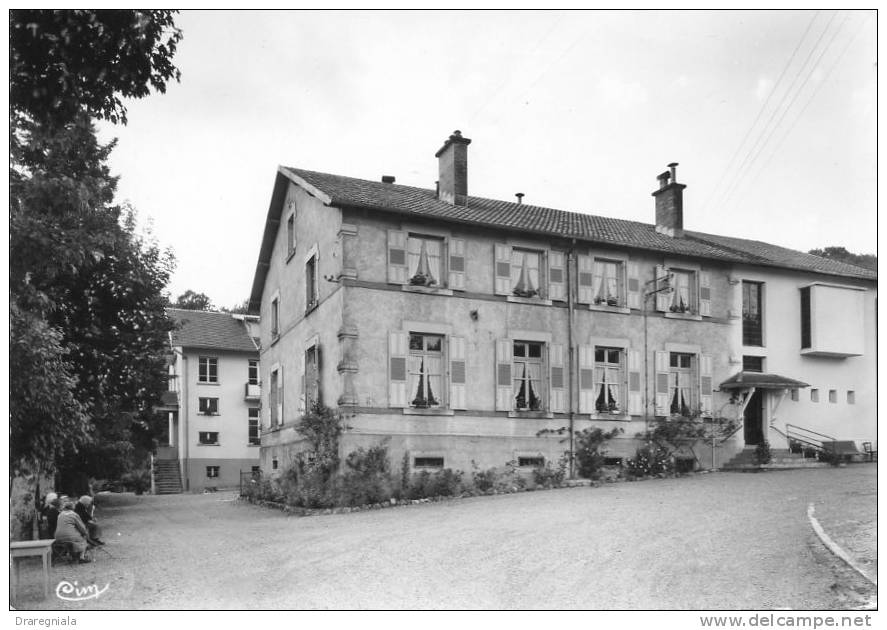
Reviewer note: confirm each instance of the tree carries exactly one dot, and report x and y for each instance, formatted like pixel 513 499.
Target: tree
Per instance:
pixel 240 309
pixel 866 261
pixel 194 301
pixel 63 63
pixel 88 329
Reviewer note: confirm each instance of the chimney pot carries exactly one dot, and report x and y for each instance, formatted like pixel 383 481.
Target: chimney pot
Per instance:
pixel 520 197
pixel 387 179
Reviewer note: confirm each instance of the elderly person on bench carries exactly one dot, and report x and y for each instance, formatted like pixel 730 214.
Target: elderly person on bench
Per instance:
pixel 86 511
pixel 70 532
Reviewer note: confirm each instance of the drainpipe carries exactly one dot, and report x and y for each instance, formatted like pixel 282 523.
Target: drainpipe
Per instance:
pixel 570 353
pixel 184 405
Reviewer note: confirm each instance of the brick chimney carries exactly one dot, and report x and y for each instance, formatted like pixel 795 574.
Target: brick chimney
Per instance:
pixel 670 203
pixel 453 164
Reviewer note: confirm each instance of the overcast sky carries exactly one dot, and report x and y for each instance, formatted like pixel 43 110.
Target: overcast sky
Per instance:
pixel 771 116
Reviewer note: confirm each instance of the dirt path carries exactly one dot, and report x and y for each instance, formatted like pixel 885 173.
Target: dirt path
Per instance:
pixel 718 541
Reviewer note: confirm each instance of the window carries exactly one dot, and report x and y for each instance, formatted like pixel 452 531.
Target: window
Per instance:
pixel 255 469
pixel 531 462
pixel 311 283
pixel 814 395
pixel 752 364
pixel 425 370
pixel 525 266
pixel 275 317
pixel 805 317
pixel 796 395
pixel 208 370
pixel 428 462
pixel 291 235
pixel 274 464
pixel 212 472
pixel 607 286
pixel 851 397
pixel 424 256
pixel 275 399
pixel 683 297
pixel 312 376
pixel 751 314
pixel 680 383
pixel 254 427
pixel 608 379
pixel 208 406
pixel 208 437
pixel 833 395
pixel 253 372
pixel 527 375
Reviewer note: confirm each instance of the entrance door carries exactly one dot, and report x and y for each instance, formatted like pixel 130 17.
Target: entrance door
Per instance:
pixel 753 419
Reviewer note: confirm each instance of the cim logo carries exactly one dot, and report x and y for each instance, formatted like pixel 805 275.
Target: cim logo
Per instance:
pixel 74 593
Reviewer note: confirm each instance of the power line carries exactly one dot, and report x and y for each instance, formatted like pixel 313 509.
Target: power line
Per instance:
pixel 791 58
pixel 815 92
pixel 737 175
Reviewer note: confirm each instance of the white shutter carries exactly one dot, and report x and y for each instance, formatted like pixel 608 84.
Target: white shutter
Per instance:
pixel 663 299
pixel 705 384
pixel 504 383
pixel 635 393
pixel 457 264
pixel 586 379
pixel 458 380
pixel 634 285
pixel 586 279
pixel 280 420
pixel 556 277
pixel 558 377
pixel 662 374
pixel 397 257
pixel 397 369
pixel 503 269
pixel 705 294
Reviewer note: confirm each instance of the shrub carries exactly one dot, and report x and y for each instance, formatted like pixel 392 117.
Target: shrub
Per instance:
pixel 444 483
pixel 649 459
pixel 483 480
pixel 763 454
pixel 368 479
pixel 588 445
pixel 549 476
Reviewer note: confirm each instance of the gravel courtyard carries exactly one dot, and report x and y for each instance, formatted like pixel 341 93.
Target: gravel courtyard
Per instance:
pixel 709 541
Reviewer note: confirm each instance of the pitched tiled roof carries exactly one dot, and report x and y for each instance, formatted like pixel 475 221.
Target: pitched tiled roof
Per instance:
pixel 362 193
pixel 209 330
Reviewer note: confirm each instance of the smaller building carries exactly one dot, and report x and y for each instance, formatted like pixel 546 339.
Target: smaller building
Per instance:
pixel 212 403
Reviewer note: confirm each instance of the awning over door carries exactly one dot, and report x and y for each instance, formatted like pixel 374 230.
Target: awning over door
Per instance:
pixel 760 380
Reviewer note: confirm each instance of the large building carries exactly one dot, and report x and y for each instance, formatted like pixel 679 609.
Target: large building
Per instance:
pixel 212 403
pixel 458 328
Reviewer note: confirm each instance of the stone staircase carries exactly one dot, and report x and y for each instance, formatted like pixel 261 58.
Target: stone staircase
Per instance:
pixel 167 476
pixel 782 459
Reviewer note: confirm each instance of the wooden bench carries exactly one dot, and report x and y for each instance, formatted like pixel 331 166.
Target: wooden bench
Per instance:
pixel 24 549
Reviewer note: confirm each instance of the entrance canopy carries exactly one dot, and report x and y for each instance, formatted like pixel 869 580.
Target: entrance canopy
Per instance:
pixel 760 380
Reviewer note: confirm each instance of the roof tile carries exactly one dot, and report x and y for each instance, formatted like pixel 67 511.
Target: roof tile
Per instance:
pixel 209 330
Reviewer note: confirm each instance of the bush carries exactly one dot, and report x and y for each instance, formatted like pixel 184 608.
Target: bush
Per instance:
pixel 763 454
pixel 483 479
pixel 588 445
pixel 549 476
pixel 444 483
pixel 649 459
pixel 368 479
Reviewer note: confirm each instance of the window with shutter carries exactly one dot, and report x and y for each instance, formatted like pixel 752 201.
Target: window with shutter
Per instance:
pixel 661 400
pixel 635 296
pixel 425 260
pixel 635 392
pixel 705 385
pixel 457 264
pixel 458 376
pixel 609 378
pixel 556 276
pixel 397 369
pixel 425 371
pixel 503 374
pixel 527 370
pixel 585 279
pixel 502 269
pixel 397 257
pixel 705 293
pixel 586 379
pixel 607 282
pixel 558 377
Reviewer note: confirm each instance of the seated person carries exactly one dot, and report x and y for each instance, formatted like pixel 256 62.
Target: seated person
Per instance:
pixel 50 513
pixel 71 531
pixel 86 511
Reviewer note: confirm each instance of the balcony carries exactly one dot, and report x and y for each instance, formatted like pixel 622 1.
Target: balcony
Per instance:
pixel 252 391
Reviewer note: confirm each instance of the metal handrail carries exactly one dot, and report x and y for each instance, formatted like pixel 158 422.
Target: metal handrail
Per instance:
pixel 788 427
